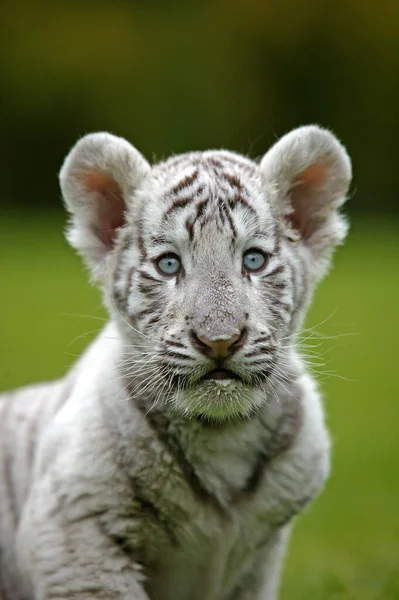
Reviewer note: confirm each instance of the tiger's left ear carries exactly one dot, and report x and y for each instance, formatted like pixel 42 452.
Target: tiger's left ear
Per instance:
pixel 307 175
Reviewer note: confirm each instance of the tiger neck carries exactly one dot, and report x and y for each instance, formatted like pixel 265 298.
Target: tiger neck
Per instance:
pixel 225 461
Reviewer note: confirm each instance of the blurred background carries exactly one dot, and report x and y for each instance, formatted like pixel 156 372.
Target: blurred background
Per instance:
pixel 174 76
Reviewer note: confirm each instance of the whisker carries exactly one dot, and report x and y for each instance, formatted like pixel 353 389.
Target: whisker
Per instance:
pixel 126 322
pixel 82 335
pixel 97 318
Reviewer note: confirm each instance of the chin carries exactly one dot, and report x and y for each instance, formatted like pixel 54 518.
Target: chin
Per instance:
pixel 212 400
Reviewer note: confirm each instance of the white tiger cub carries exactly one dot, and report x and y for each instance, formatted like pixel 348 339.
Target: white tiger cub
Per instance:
pixel 169 463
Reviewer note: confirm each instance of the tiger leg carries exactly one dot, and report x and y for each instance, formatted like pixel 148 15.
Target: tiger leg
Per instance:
pixel 262 583
pixel 64 558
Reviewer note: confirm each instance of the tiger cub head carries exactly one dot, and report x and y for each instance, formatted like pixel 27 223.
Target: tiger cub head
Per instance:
pixel 208 260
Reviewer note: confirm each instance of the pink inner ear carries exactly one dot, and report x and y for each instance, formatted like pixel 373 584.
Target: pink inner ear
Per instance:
pixel 110 204
pixel 306 199
pixel 313 175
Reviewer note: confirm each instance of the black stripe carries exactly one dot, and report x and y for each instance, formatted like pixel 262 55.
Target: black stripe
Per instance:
pixel 184 183
pixel 153 320
pixel 177 344
pixel 175 355
pixel 190 229
pixel 262 362
pixel 276 314
pixel 221 212
pixel 148 291
pixel 258 351
pixel 283 305
pixel 230 220
pixel 180 203
pixel 148 277
pixel 200 208
pixel 233 180
pixel 279 285
pixel 216 163
pixel 265 338
pixel 159 239
pixel 276 271
pixel 239 200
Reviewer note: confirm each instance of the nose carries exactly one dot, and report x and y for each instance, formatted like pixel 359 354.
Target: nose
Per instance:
pixel 218 347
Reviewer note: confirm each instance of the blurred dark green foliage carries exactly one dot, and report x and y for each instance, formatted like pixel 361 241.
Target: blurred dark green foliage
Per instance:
pixel 173 76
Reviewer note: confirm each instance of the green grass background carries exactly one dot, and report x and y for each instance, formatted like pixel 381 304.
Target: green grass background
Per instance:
pixel 346 547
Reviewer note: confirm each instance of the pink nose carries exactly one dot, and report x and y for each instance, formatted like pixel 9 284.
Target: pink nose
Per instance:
pixel 219 348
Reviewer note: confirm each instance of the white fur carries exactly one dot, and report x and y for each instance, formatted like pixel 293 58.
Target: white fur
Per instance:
pixel 100 499
pixel 76 477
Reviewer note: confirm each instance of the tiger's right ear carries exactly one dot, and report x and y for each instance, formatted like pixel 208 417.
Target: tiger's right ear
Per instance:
pixel 98 179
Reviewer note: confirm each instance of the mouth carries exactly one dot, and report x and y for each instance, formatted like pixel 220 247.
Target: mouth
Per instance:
pixel 216 375
pixel 220 375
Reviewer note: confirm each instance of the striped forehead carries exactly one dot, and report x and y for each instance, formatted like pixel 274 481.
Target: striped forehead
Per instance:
pixel 211 198
pixel 211 187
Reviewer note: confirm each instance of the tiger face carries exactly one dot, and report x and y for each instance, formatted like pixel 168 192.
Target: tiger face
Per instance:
pixel 208 260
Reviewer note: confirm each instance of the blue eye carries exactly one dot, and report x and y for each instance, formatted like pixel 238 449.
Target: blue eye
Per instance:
pixel 169 264
pixel 254 260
